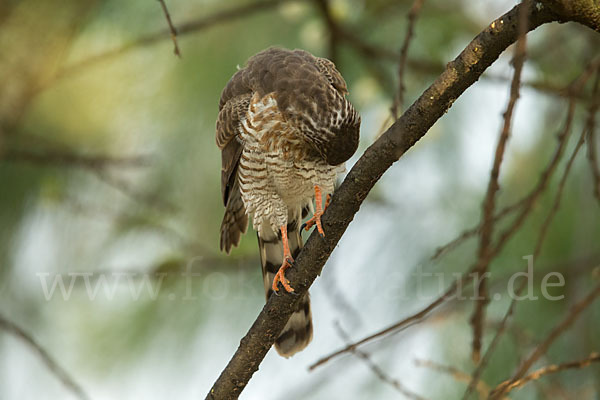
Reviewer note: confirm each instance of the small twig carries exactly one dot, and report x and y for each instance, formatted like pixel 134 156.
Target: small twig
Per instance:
pixel 412 19
pixel 87 209
pixel 70 159
pixel 482 388
pixel 475 379
pixel 546 88
pixel 506 211
pixel 575 87
pixel 337 297
pixel 500 331
pixel 487 227
pixel 593 158
pixel 541 349
pixel 52 365
pixel 334 39
pixel 591 133
pixel 454 290
pixel 378 371
pixel 197 25
pixel 124 187
pixel 573 92
pixel 99 165
pixel 527 202
pixel 551 369
pixel 171 28
pixel 458 284
pixel 558 196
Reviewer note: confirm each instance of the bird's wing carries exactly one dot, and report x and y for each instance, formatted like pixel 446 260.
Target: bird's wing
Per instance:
pixel 228 127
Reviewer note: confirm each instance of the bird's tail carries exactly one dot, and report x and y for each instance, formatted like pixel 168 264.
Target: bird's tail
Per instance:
pixel 298 331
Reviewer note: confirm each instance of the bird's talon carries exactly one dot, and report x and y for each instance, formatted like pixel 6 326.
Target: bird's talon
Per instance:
pixel 288 262
pixel 316 218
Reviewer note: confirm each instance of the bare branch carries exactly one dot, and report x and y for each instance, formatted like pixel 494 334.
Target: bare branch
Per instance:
pixel 578 84
pixel 455 288
pixel 482 388
pixel 499 332
pixel 189 246
pixel 476 230
pixel 526 203
pixel 484 255
pixel 552 369
pixel 583 11
pixel 70 159
pixel 591 136
pixel 124 187
pixel 185 28
pixel 52 365
pixel 475 379
pixel 412 19
pixel 540 350
pixel 100 165
pixel 171 28
pixel 558 195
pixel 575 87
pixel 380 373
pixel 334 39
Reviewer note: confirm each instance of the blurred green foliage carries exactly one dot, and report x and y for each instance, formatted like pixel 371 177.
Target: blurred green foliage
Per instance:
pixel 58 216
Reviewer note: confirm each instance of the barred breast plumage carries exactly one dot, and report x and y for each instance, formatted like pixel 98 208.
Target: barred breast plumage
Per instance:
pixel 285 130
pixel 276 172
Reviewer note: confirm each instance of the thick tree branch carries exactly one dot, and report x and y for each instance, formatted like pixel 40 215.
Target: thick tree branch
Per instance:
pixel 412 125
pixel 586 12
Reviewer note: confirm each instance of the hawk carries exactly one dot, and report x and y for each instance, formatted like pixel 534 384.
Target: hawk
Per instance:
pixel 285 129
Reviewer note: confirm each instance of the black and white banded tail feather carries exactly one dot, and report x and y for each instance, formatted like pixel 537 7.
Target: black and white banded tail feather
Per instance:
pixel 298 331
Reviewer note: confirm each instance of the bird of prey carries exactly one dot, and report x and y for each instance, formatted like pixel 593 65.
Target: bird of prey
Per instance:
pixel 285 130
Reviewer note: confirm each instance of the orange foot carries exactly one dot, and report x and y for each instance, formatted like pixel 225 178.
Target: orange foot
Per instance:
pixel 316 219
pixel 287 263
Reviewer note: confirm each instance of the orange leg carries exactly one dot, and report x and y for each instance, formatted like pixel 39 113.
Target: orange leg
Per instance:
pixel 287 262
pixel 316 219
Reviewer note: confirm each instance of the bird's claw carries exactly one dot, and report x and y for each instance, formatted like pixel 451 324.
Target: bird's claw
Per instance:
pixel 280 276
